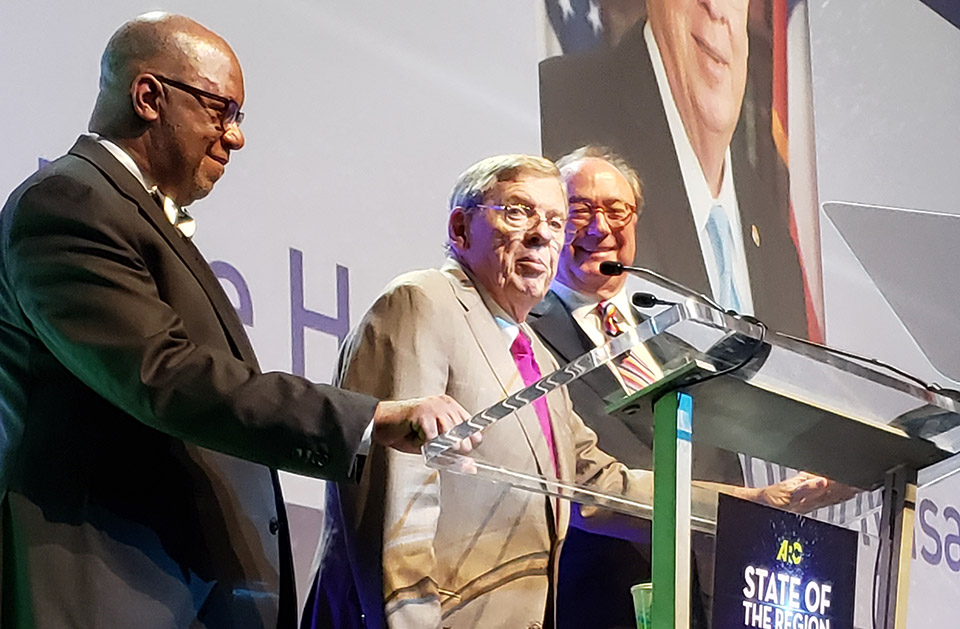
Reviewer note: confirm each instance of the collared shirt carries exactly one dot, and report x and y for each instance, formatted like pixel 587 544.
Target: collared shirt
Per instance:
pixel 509 327
pixel 506 323
pixel 124 158
pixel 698 192
pixel 583 309
pixel 170 208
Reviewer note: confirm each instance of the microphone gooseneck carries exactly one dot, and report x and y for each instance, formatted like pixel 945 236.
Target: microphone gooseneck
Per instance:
pixel 648 300
pixel 616 268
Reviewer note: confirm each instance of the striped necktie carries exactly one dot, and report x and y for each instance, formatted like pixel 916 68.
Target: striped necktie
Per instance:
pixel 634 371
pixel 721 239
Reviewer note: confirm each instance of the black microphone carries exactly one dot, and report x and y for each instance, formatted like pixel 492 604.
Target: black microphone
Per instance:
pixel 649 300
pixel 611 268
pixel 616 268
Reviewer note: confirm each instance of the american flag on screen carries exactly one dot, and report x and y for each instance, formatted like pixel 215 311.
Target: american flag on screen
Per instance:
pixel 576 24
pixel 783 11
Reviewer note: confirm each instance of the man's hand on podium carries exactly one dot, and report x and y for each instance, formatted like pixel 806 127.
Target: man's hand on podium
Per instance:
pixel 407 424
pixel 803 493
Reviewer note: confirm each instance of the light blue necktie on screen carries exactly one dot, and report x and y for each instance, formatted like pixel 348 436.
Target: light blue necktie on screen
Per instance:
pixel 721 239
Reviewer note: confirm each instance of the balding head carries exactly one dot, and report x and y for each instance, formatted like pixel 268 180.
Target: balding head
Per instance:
pixel 170 93
pixel 161 43
pixel 604 196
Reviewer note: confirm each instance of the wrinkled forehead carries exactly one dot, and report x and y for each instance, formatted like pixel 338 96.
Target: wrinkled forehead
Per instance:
pixel 533 189
pixel 597 179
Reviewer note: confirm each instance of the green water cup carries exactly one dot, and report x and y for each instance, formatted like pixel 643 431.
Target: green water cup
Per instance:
pixel 643 604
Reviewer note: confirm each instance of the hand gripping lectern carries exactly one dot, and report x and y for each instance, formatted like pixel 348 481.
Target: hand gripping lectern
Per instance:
pixel 751 391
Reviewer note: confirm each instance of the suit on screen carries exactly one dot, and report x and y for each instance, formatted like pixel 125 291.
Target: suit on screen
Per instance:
pixel 610 97
pixel 128 392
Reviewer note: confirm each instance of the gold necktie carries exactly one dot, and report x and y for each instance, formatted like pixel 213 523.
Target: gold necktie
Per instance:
pixel 177 216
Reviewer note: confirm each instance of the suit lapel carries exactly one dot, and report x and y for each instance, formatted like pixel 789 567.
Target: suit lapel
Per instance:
pixel 128 186
pixel 764 210
pixel 493 346
pixel 556 326
pixel 666 219
pixel 747 186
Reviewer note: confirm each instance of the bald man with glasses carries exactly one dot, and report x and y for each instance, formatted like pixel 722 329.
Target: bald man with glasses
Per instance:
pixel 138 437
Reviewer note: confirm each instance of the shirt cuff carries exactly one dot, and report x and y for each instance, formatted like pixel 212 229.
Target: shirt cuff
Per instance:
pixel 356 471
pixel 366 440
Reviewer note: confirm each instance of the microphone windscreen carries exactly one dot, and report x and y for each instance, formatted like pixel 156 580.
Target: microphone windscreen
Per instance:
pixel 644 300
pixel 611 268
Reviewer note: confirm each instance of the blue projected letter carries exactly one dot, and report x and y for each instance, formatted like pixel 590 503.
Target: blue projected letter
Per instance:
pixel 228 272
pixel 301 318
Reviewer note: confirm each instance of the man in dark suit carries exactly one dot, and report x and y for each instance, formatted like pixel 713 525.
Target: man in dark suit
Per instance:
pixel 670 99
pixel 596 571
pixel 135 425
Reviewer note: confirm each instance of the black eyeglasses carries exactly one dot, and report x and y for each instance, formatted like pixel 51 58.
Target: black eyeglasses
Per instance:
pixel 231 109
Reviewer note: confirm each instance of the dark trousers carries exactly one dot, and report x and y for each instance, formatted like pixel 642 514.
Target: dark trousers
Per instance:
pixel 596 573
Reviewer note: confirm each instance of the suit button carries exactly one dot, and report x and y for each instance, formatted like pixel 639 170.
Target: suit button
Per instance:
pixel 322 459
pixel 274 526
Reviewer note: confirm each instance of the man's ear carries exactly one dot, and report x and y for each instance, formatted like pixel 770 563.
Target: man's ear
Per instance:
pixel 146 94
pixel 457 228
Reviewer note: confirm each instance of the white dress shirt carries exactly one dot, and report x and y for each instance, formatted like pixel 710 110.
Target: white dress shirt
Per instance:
pixel 176 215
pixel 698 192
pixel 583 309
pixel 124 158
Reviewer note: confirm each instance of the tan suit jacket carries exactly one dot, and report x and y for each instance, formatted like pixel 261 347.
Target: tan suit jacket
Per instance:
pixel 451 550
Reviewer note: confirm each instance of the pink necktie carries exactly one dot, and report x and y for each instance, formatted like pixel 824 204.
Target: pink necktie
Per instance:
pixel 522 354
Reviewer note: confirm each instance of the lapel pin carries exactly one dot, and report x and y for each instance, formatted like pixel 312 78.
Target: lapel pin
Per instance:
pixel 756 235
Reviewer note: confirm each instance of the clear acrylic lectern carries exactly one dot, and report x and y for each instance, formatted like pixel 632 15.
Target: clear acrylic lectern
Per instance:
pixel 754 392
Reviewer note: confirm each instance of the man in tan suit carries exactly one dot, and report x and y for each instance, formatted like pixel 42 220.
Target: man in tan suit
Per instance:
pixel 414 547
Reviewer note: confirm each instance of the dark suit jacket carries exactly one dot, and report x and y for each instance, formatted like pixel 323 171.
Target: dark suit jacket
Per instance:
pixel 129 399
pixel 631 445
pixel 596 572
pixel 610 97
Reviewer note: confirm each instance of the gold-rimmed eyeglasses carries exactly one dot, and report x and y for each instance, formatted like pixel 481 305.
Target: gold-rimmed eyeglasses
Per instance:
pixel 617 213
